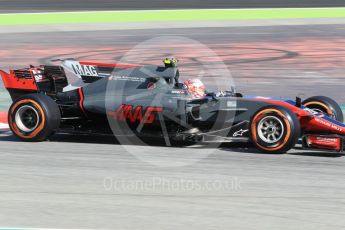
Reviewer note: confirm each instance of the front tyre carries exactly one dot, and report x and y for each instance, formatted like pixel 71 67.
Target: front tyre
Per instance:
pixel 326 106
pixel 274 129
pixel 34 117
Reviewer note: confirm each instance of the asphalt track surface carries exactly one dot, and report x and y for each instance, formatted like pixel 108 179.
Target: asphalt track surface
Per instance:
pixel 93 182
pixel 77 5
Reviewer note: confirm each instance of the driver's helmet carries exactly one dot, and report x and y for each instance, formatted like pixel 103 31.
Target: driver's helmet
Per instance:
pixel 195 87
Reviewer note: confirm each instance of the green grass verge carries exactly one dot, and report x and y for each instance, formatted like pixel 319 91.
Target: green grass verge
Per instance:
pixel 168 15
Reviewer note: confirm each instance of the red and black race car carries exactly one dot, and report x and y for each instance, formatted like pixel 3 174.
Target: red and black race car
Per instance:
pixel 150 101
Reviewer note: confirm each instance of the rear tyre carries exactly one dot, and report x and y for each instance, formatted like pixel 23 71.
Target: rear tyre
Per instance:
pixel 274 129
pixel 326 106
pixel 34 117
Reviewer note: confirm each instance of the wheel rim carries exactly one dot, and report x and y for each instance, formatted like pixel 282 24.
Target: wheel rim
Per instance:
pixel 27 118
pixel 270 129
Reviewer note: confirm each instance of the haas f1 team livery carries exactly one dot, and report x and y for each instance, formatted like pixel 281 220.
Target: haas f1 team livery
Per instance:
pixel 150 101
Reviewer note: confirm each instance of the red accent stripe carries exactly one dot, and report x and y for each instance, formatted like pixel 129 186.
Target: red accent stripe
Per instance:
pixel 3 117
pixel 299 112
pixel 81 100
pixel 117 65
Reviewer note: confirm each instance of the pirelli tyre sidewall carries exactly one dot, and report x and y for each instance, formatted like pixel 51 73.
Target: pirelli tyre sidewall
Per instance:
pixel 287 129
pixel 326 105
pixel 34 117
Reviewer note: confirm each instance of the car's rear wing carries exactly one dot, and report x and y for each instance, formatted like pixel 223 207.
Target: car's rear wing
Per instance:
pixel 18 79
pixel 18 82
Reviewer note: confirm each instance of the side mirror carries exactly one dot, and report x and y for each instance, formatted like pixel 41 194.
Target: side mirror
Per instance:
pixel 298 102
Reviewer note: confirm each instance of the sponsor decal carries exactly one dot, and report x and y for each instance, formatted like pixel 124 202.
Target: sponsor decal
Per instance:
pixel 127 78
pixel 178 92
pixel 328 124
pixel 84 70
pixel 240 133
pixel 137 114
pixel 231 103
pixel 327 139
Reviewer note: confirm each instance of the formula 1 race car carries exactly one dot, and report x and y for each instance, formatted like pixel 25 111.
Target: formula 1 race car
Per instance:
pixel 150 101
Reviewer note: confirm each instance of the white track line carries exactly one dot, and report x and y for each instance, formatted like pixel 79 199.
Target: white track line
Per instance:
pixel 174 10
pixel 39 228
pixel 3 126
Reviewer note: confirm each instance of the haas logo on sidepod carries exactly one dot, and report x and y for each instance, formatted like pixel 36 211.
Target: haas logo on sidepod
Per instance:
pixel 137 114
pixel 84 70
